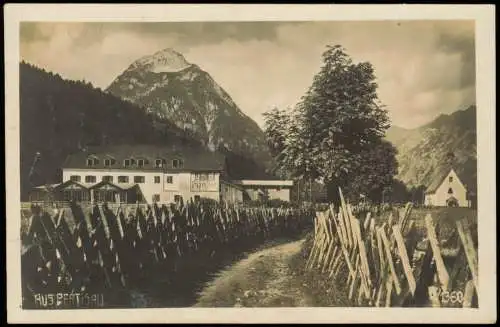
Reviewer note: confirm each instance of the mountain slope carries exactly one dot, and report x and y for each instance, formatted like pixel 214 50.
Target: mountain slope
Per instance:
pixel 170 87
pixel 423 152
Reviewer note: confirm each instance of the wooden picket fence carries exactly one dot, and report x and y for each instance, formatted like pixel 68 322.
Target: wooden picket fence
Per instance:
pixel 390 263
pixel 110 251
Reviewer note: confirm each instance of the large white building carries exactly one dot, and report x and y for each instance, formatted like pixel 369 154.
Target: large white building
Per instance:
pixel 148 173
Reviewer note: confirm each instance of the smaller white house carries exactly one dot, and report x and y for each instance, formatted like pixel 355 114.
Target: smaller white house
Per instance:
pixel 447 191
pixel 258 190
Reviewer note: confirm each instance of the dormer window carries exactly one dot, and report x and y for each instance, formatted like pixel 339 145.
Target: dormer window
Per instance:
pixel 92 161
pixel 159 163
pixel 140 163
pixel 177 163
pixel 126 163
pixel 109 161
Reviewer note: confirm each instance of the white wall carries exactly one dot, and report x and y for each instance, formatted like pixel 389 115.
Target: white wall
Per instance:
pixel 274 193
pixel 231 193
pixel 183 184
pixel 441 195
pixel 429 199
pixel 282 194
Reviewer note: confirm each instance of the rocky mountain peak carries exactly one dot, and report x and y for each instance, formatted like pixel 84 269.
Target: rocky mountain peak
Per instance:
pixel 166 85
pixel 166 60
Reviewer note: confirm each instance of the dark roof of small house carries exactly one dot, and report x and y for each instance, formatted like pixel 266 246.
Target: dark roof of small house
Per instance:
pixel 193 158
pixel 441 177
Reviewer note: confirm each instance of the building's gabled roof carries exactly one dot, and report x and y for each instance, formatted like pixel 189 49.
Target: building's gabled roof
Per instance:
pixel 70 182
pixel 441 177
pixel 46 187
pixel 102 183
pixel 193 158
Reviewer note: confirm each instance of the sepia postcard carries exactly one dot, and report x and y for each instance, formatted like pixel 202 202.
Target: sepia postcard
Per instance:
pixel 250 163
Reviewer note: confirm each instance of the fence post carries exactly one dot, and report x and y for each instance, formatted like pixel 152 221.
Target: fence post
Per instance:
pixel 403 254
pixel 441 269
pixel 468 294
pixel 470 251
pixel 388 253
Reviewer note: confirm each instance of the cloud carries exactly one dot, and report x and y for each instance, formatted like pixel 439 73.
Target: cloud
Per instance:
pixel 423 68
pixel 76 51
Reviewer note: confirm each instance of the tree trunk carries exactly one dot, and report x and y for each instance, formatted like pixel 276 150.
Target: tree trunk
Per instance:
pixel 332 192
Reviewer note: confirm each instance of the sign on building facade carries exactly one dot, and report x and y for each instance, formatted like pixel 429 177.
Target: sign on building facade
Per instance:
pixel 203 182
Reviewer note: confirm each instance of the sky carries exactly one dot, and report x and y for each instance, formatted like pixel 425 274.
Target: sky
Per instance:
pixel 423 68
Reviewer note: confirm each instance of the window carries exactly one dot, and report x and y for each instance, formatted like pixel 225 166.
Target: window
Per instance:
pixel 156 197
pixel 67 195
pixel 139 179
pixel 107 179
pixel 77 196
pixel 92 161
pixel 177 163
pixel 126 163
pixel 90 179
pixel 170 179
pixel 75 178
pixel 158 163
pixel 450 191
pixel 450 179
pixel 157 179
pixel 107 162
pixel 122 179
pixel 140 163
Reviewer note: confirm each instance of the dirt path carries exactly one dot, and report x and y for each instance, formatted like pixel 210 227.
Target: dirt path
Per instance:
pixel 264 279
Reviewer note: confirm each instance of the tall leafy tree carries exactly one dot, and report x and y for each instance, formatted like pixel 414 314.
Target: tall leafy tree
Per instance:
pixel 373 171
pixel 276 122
pixel 336 130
